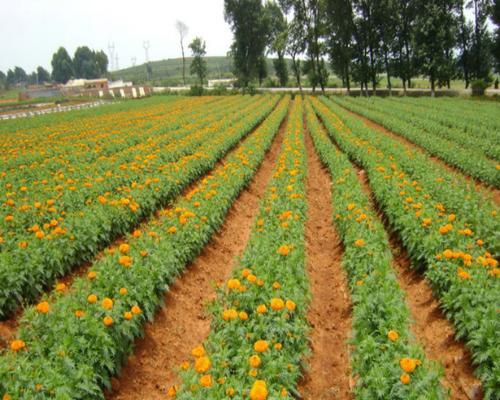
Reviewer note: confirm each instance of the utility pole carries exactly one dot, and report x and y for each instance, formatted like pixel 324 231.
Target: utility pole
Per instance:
pixel 146 47
pixel 116 62
pixel 134 61
pixel 111 50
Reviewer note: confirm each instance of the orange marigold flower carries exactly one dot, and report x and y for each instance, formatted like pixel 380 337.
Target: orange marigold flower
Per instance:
pixel 243 315
pixel 206 381
pixel 108 321
pixel 136 310
pixel 246 272
pixel 290 305
pixel 124 248
pixel 198 351
pixel 92 298
pixel 260 346
pixel 125 261
pixel 202 364
pixel 43 307
pixel 405 379
pixel 463 274
pixel 233 283
pixel 392 335
pixel 259 391
pixel 408 364
pixel 107 303
pixel 172 391
pixel 172 230
pixel 79 313
pixel 137 233
pixel 60 287
pixel 261 308
pixel 276 285
pixel 254 361
pixel 127 315
pixel 359 243
pixel 23 244
pixel 92 275
pixel 230 314
pixel 17 345
pixel 284 250
pixel 277 304
pixel 123 291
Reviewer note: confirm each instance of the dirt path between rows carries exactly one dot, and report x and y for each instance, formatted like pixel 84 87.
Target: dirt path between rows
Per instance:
pixel 183 322
pixel 430 327
pixel 487 190
pixel 328 372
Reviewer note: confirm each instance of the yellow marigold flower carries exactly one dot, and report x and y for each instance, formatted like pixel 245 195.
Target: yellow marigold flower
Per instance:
pixel 230 314
pixel 92 298
pixel 243 315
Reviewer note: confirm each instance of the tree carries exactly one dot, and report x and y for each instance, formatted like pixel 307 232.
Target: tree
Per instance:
pixel 311 15
pixel 464 60
pixel 340 30
pixel 42 75
pixel 33 78
pixel 277 40
pixel 62 66
pixel 20 75
pixel 101 60
pixel 183 30
pixel 296 46
pixel 432 40
pixel 3 81
pixel 251 36
pixel 496 45
pixel 481 54
pixel 198 65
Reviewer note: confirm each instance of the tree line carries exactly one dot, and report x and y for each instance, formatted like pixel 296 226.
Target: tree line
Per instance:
pixel 86 63
pixel 361 40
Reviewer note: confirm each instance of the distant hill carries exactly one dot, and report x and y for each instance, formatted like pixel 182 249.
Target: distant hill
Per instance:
pixel 169 72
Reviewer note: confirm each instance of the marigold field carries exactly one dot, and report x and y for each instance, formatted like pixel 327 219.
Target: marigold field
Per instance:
pixel 252 247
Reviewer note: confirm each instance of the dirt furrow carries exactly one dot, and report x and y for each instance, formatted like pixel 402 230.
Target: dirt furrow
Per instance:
pixel 183 322
pixel 328 372
pixel 487 190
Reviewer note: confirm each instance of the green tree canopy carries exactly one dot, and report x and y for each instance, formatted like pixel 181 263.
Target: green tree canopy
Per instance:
pixel 62 66
pixel 198 65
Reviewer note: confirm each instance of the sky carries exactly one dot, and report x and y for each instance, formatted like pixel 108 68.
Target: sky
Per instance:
pixel 32 30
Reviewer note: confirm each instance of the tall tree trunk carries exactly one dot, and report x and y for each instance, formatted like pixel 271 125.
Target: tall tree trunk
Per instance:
pixel 183 64
pixel 388 72
pixel 433 84
pixel 348 80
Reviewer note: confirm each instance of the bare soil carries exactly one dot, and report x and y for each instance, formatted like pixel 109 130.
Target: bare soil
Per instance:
pixel 328 372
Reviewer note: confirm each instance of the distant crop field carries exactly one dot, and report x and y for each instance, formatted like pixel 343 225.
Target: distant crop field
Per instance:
pixel 248 246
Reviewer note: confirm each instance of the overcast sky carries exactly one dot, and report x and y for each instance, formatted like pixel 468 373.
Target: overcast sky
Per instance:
pixel 32 30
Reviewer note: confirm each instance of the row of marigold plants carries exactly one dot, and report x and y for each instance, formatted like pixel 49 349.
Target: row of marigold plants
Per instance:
pixel 453 124
pixel 429 135
pixel 456 260
pixel 47 250
pixel 73 341
pixel 259 330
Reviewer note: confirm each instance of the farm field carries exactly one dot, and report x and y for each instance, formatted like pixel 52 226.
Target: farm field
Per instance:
pixel 252 247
